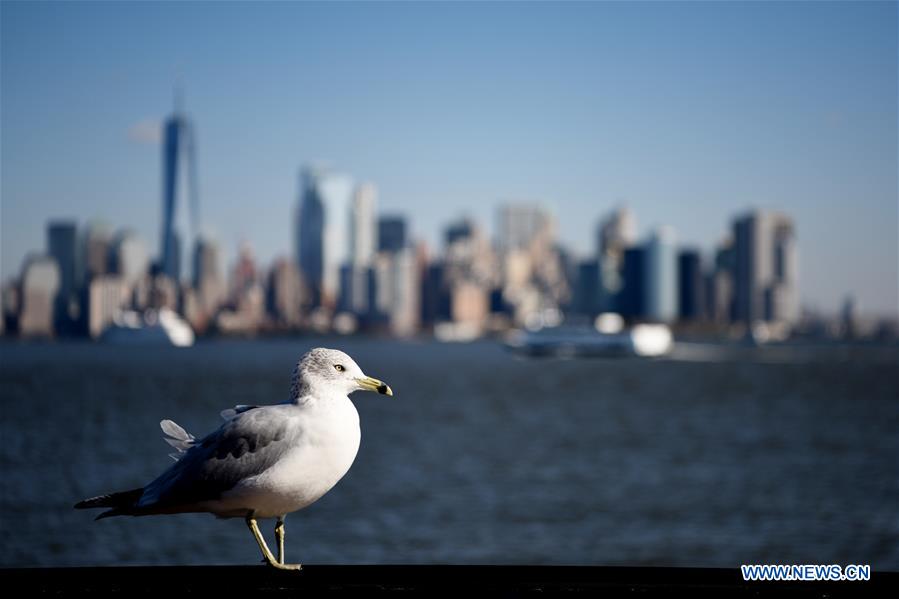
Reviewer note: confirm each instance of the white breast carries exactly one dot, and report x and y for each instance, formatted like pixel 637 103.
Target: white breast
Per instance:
pixel 324 453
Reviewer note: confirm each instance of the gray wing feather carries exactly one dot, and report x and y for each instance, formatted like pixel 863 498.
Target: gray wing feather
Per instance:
pixel 235 411
pixel 176 436
pixel 242 447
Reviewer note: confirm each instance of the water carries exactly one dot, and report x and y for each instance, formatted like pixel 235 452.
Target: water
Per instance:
pixel 716 459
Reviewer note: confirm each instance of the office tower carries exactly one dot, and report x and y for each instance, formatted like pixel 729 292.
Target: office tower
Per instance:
pixel 40 284
pixel 391 233
pixel 96 250
pixel 461 230
pixel 469 304
pixel 363 243
pixel 178 162
pixel 661 276
pixel 588 288
pixel 469 255
pixel 105 298
pixel 243 276
pixel 849 318
pixel 129 258
pixel 632 298
pixel 720 285
pixel 62 246
pixel 435 302
pixel 690 285
pixel 766 278
pixel 322 244
pixel 208 280
pixel 616 232
pixel 285 293
pixel 363 228
pixel 520 224
pixel 530 260
pixel 405 311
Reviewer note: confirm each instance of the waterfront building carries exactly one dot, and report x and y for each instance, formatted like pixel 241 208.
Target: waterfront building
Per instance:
pixel 40 284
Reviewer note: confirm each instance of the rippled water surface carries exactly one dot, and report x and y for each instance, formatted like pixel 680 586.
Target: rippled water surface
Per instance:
pixel 715 459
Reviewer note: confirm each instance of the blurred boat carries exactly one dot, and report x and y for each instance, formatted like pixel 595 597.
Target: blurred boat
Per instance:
pixel 647 340
pixel 153 327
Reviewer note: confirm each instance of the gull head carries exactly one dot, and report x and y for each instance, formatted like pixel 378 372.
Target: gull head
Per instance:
pixel 324 371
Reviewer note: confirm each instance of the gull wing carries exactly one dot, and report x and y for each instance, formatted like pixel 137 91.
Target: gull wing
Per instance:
pixel 244 446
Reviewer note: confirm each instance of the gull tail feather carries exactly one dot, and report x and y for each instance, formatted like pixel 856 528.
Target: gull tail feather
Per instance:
pixel 177 437
pixel 123 503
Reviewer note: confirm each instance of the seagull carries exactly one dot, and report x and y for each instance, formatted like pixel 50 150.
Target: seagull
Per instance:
pixel 263 461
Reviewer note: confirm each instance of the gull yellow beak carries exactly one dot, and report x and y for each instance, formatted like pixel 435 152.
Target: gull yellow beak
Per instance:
pixel 370 384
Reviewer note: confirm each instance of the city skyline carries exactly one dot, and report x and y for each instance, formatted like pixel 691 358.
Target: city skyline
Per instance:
pixel 808 130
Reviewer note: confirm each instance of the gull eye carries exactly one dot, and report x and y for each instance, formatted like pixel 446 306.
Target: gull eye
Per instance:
pixel 339 367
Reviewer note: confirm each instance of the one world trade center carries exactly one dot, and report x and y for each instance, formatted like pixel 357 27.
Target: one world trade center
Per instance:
pixel 178 160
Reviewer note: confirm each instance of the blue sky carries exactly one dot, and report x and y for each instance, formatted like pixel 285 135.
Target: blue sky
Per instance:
pixel 687 112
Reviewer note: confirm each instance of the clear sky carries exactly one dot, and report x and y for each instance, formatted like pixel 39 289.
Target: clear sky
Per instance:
pixel 688 112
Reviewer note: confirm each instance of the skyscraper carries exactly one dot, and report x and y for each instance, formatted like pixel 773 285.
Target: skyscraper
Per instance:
pixel 62 245
pixel 720 285
pixel 322 231
pixel 661 276
pixel 616 232
pixel 391 233
pixel 105 297
pixel 207 275
pixel 178 152
pixel 96 247
pixel 40 284
pixel 632 298
pixel 363 243
pixel 129 258
pixel 691 286
pixel 284 293
pixel 520 223
pixel 766 277
pixel 363 229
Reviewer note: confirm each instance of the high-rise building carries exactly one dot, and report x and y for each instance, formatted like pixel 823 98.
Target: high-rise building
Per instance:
pixel 363 228
pixel 463 229
pixel 322 230
pixel 435 302
pixel 106 296
pixel 96 248
pixel 39 285
pixel 766 277
pixel 178 161
pixel 519 224
pixel 632 298
pixel 720 285
pixel 616 232
pixel 207 275
pixel 62 246
pixel 587 292
pixel 391 233
pixel 244 276
pixel 285 293
pixel 129 258
pixel 363 244
pixel 661 276
pixel 691 285
pixel 405 312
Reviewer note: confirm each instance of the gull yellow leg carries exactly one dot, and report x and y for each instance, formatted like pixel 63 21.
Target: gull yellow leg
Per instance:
pixel 279 535
pixel 266 553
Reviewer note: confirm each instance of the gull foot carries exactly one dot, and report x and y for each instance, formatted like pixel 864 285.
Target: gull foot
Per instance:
pixel 279 566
